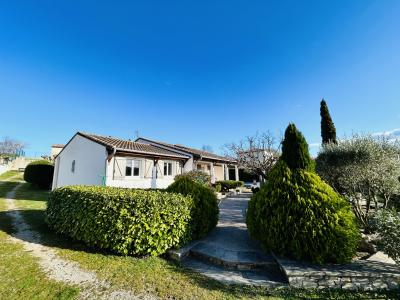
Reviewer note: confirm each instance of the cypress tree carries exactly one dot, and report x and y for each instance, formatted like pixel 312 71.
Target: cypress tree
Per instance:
pixel 328 130
pixel 295 150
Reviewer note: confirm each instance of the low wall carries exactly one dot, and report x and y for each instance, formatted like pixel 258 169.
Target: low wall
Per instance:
pixel 360 275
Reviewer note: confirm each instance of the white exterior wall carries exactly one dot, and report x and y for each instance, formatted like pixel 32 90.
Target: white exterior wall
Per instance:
pixel 90 163
pixel 189 165
pixel 146 178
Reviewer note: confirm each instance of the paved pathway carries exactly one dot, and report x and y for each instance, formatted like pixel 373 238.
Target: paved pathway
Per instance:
pixel 228 254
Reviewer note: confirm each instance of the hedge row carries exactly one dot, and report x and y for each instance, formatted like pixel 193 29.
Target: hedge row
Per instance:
pixel 204 214
pixel 227 185
pixel 40 173
pixel 126 221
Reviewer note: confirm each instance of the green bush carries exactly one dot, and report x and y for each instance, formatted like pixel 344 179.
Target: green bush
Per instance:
pixel 295 150
pixel 296 214
pixel 226 185
pixel 40 173
pixel 217 187
pixel 387 223
pixel 125 221
pixel 204 214
pixel 197 176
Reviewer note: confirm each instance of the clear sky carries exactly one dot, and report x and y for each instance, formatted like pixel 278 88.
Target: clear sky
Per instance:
pixel 196 72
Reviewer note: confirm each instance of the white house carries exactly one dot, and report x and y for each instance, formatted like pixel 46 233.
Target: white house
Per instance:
pixel 89 159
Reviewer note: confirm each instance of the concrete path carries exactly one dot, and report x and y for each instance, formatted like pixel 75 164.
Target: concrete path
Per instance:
pixel 228 254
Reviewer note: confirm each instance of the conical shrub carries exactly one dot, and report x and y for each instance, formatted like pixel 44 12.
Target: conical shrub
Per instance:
pixel 295 150
pixel 297 215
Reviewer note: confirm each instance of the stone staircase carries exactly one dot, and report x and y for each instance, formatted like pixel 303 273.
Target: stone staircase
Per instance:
pixel 228 254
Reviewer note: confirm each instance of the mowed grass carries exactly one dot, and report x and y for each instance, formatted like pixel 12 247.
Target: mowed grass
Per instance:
pixel 10 174
pixel 153 275
pixel 20 274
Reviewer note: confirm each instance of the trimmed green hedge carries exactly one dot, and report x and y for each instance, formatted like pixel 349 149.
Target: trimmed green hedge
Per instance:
pixel 204 214
pixel 227 185
pixel 197 176
pixel 126 221
pixel 40 173
pixel 296 214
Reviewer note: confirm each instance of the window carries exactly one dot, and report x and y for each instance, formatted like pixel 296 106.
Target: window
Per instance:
pixel 167 168
pixel 132 167
pixel 73 166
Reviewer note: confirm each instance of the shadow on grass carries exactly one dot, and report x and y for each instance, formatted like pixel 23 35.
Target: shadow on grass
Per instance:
pixel 36 221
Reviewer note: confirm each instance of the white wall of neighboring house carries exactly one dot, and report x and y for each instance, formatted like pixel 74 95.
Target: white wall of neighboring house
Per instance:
pixel 4 168
pixel 90 163
pixel 147 173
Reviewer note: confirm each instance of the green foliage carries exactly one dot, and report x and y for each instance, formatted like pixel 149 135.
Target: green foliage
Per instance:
pixel 255 189
pixel 328 130
pixel 204 214
pixel 217 187
pixel 40 173
pixel 125 221
pixel 295 150
pixel 227 185
pixel 364 169
pixel 387 223
pixel 296 214
pixel 197 176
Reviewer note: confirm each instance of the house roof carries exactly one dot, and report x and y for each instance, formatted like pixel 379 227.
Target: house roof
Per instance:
pixel 57 146
pixel 192 151
pixel 129 146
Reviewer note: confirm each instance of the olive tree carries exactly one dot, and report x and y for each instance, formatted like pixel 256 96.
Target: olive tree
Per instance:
pixel 365 169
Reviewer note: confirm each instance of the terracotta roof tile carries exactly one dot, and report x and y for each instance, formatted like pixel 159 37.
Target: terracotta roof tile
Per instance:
pixel 192 151
pixel 130 146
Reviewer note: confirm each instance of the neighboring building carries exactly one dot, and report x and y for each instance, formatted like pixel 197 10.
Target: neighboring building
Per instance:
pixel 55 150
pixel 89 159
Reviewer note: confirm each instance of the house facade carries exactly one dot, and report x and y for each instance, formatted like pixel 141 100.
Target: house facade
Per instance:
pixel 89 159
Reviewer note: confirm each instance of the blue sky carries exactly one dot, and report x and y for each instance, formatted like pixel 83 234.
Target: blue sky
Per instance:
pixel 195 73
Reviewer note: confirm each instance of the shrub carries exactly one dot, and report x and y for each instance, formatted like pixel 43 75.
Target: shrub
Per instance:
pixel 40 173
pixel 226 185
pixel 296 214
pixel 197 176
pixel 387 223
pixel 365 170
pixel 255 189
pixel 204 214
pixel 125 221
pixel 295 150
pixel 217 187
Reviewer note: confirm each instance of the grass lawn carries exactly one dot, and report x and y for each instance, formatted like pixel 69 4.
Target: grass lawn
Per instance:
pixel 10 174
pixel 20 275
pixel 157 276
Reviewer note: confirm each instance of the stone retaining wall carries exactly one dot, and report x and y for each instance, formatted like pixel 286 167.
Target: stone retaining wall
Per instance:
pixel 360 275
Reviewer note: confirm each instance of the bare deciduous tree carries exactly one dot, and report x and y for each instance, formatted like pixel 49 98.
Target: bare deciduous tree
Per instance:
pixel 256 154
pixel 9 146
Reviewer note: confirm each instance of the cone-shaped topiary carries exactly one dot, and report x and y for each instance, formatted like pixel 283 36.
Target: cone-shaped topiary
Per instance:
pixel 328 130
pixel 204 214
pixel 296 214
pixel 295 150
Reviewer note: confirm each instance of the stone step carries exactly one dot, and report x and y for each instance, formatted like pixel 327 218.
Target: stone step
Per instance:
pixel 231 259
pixel 248 277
